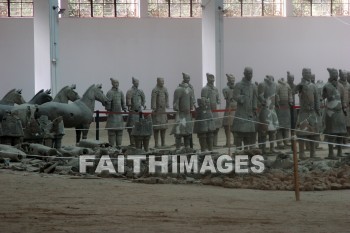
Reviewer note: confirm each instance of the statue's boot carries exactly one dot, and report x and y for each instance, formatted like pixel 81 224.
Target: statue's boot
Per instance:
pixel 145 143
pixel 301 151
pixel 162 137
pixel 330 152
pixel 210 141
pixel 156 137
pixel 111 139
pixel 178 142
pixel 203 143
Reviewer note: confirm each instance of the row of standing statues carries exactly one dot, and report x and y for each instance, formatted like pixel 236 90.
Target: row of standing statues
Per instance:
pixel 253 111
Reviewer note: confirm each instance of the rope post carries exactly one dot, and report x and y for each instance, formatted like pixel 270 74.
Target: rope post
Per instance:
pixel 97 121
pixel 295 157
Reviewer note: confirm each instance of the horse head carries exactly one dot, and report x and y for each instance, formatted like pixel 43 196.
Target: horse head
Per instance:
pixel 72 95
pixel 99 96
pixel 41 97
pixel 13 97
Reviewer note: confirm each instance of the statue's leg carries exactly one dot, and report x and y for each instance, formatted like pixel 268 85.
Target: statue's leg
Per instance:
pixel 85 130
pixel 238 141
pixel 187 141
pixel 162 136
pixel 112 137
pixel 58 142
pixel 312 146
pixel 178 141
pixel 227 134
pixel 119 139
pixel 285 137
pixel 145 143
pixel 77 135
pixel 156 137
pixel 210 143
pixel 272 135
pixel 131 138
pixel 263 143
pixel 202 141
pixel 215 137
pixel 339 147
pixel 279 137
pixel 138 142
pixel 301 150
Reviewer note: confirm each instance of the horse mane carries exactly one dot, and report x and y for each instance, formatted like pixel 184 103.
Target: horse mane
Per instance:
pixel 62 90
pixel 88 91
pixel 8 93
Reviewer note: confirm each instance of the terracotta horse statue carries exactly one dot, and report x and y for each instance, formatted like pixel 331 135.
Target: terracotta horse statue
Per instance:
pixel 12 97
pixel 66 94
pixel 41 97
pixel 78 114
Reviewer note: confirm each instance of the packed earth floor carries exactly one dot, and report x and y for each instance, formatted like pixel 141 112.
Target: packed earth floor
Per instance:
pixel 38 202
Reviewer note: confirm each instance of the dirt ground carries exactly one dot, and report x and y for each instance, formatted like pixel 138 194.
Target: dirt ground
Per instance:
pixel 32 202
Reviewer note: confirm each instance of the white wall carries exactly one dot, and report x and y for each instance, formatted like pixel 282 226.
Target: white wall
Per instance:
pixel 275 45
pixel 17 56
pixel 92 50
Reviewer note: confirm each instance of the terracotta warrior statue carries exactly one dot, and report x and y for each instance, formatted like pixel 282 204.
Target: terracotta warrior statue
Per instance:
pixel 211 93
pixel 135 101
pixel 335 112
pixel 204 125
pixel 230 108
pixel 307 122
pixel 290 81
pixel 267 115
pixel 246 96
pixel 159 104
pixel 285 100
pixel 343 74
pixel 115 122
pixel 183 104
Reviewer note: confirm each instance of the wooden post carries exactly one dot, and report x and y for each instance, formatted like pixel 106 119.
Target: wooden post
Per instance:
pixel 295 157
pixel 229 130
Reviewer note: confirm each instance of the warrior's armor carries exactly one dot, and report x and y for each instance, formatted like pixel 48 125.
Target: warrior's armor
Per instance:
pixel 159 103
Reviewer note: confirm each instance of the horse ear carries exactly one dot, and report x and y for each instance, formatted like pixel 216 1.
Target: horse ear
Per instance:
pixel 73 86
pixel 48 91
pixel 99 86
pixel 19 91
pixel 41 91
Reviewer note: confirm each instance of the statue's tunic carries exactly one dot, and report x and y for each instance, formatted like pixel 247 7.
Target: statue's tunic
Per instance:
pixel 267 114
pixel 117 104
pixel 135 100
pixel 346 86
pixel 159 103
pixel 231 104
pixel 284 96
pixel 212 94
pixel 183 103
pixel 204 121
pixel 309 109
pixel 245 94
pixel 334 118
